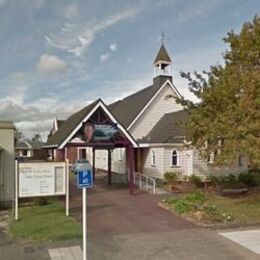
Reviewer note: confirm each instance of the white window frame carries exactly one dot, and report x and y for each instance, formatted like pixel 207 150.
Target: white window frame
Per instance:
pixel 211 158
pixel 78 152
pixel 178 158
pixel 28 153
pixel 153 157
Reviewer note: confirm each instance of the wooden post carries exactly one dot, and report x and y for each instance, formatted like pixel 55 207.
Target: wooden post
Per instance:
pixel 94 163
pixel 109 174
pixel 131 169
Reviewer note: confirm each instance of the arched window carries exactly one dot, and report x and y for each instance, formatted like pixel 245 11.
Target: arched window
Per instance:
pixel 153 157
pixel 175 158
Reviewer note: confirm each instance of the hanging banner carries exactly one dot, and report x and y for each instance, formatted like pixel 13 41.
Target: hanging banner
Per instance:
pixel 98 132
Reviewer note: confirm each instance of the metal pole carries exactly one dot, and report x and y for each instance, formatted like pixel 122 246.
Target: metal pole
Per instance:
pixel 84 211
pixel 131 169
pixel 16 189
pixel 67 186
pixel 109 180
pixel 94 163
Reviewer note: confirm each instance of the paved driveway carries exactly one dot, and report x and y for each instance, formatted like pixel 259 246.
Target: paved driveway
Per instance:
pixel 121 226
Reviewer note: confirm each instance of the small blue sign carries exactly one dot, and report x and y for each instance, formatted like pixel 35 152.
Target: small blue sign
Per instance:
pixel 84 179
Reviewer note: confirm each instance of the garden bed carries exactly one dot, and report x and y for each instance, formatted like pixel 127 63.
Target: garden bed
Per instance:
pixel 212 210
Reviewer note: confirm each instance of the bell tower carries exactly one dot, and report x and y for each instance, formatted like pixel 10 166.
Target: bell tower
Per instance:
pixel 162 63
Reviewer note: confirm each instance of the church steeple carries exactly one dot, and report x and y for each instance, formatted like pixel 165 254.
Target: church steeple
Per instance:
pixel 162 63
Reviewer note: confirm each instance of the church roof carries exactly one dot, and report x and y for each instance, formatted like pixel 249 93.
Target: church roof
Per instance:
pixel 68 125
pixel 169 129
pixel 162 55
pixel 28 144
pixel 127 109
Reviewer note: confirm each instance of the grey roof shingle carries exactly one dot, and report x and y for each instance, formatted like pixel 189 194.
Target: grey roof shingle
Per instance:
pixel 127 109
pixel 162 55
pixel 60 122
pixel 69 125
pixel 28 144
pixel 169 129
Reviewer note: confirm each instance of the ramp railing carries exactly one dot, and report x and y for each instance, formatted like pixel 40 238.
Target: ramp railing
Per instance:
pixel 144 182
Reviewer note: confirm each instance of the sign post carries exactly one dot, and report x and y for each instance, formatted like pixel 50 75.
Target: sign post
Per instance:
pixel 84 181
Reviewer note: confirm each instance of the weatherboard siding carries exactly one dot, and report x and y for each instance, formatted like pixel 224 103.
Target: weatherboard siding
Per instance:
pixel 156 170
pixel 203 168
pixel 160 106
pixel 185 166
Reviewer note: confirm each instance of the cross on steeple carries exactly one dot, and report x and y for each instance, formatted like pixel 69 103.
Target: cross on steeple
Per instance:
pixel 162 61
pixel 162 38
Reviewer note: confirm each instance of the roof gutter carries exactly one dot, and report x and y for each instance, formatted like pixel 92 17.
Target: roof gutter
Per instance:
pixel 147 145
pixel 50 146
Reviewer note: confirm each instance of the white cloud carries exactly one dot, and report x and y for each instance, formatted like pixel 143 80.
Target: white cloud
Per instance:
pixel 51 64
pixel 75 38
pixel 36 117
pixel 104 57
pixel 113 46
pixel 71 10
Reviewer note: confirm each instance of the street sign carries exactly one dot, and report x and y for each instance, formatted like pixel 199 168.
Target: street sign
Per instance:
pixel 84 179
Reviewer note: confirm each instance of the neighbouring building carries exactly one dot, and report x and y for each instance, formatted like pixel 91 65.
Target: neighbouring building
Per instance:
pixel 7 161
pixel 27 149
pixel 154 120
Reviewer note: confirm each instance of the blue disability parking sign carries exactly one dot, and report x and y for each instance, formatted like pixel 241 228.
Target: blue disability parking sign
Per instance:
pixel 84 179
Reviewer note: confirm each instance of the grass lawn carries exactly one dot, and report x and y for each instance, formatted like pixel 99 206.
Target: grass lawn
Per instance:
pixel 211 208
pixel 44 223
pixel 244 209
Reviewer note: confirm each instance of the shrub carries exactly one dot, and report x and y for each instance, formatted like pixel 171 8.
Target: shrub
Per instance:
pixel 196 180
pixel 170 177
pixel 230 182
pixel 213 179
pixel 210 210
pixel 182 207
pixel 196 197
pixel 248 179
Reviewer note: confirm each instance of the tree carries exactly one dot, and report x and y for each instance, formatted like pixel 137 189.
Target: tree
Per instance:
pixel 18 135
pixel 37 138
pixel 227 118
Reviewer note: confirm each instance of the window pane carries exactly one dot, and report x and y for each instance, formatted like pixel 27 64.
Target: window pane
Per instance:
pixel 59 179
pixel 174 158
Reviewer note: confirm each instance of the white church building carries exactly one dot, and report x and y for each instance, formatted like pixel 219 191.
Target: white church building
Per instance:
pixel 155 121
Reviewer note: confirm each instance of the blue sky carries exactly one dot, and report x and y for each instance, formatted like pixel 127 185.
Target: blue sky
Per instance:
pixel 57 56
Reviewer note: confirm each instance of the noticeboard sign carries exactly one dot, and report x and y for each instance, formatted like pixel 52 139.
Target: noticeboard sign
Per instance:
pixel 42 179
